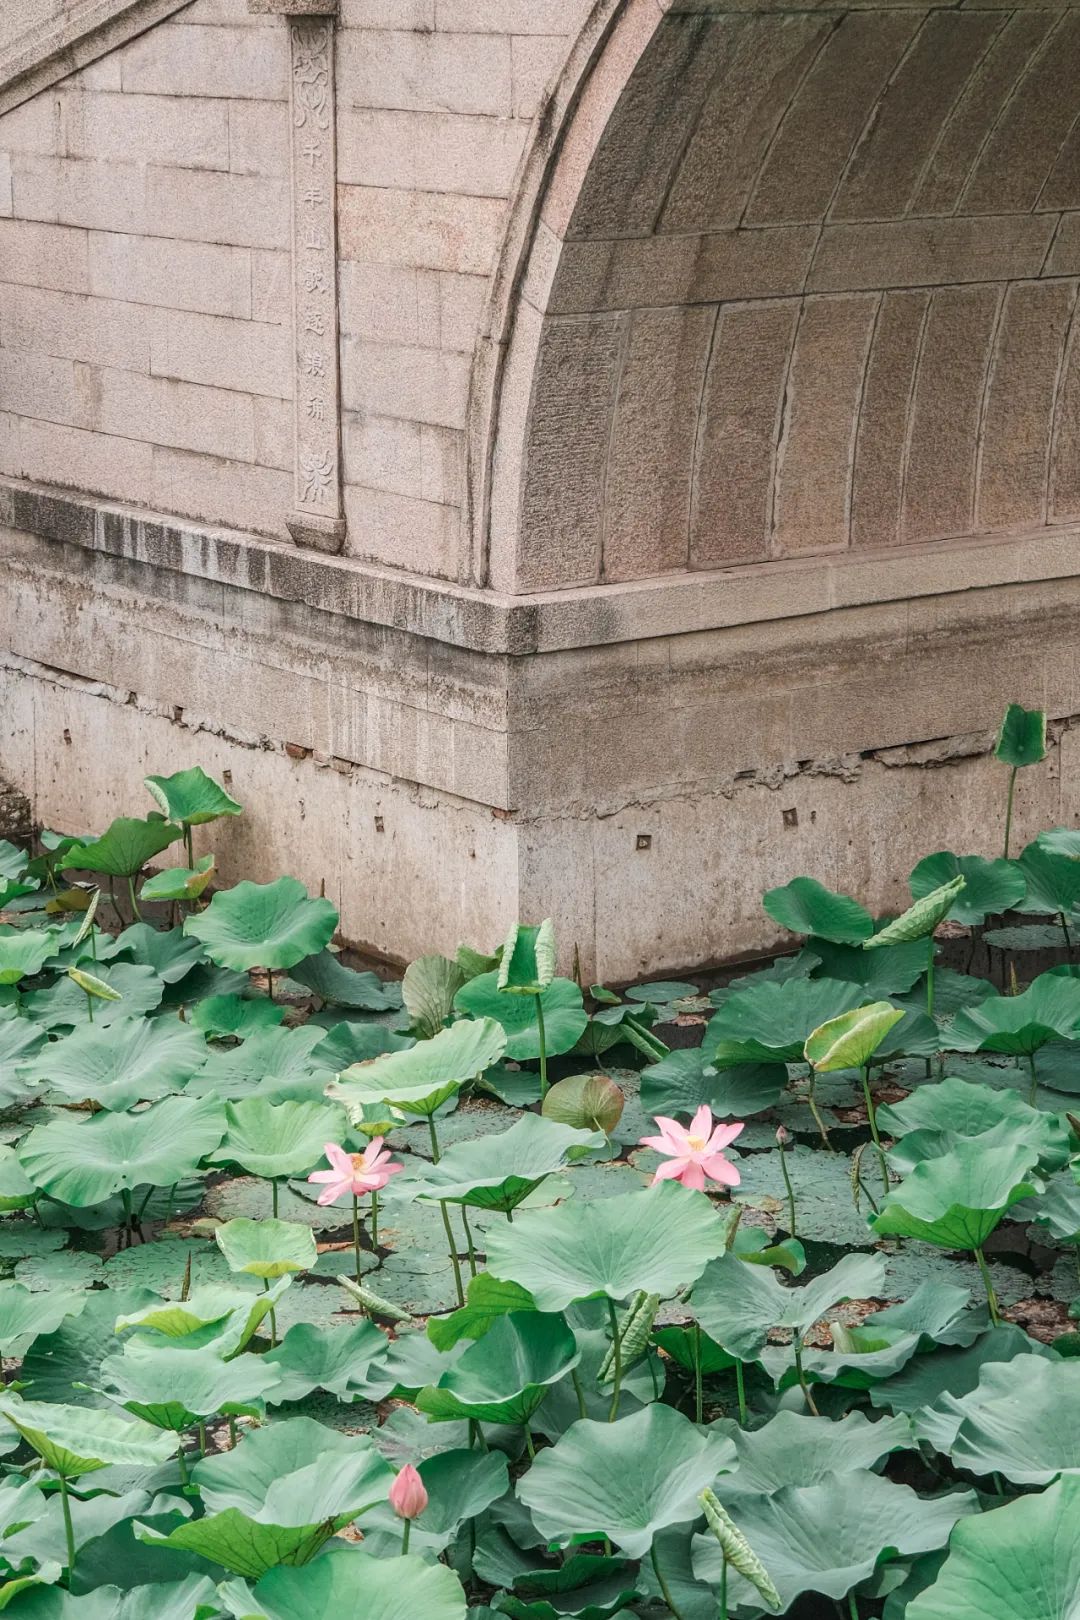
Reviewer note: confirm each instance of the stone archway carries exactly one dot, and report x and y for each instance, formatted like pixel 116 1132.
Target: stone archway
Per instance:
pixel 783 285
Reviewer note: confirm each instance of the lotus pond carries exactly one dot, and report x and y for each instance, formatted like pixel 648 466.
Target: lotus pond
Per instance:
pixel 481 1293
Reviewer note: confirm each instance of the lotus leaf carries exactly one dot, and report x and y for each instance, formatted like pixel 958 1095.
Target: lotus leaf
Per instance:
pixel 584 1102
pixel 83 1162
pixel 389 1589
pixel 528 959
pixel 191 797
pixel 793 1449
pixel 829 1537
pixel 770 1022
pixel 684 1080
pixel 267 1248
pixel 585 1587
pixel 332 981
pixel 277 1139
pixel 460 1485
pixel 25 1315
pixel 850 1040
pixel 499 1172
pixel 990 887
pixel 130 991
pixel 231 1314
pixel 805 906
pixel 24 952
pixel 504 1376
pixel 1049 1009
pixel 560 1005
pixel 428 990
pixel 738 1304
pixel 625 1480
pixel 1019 1421
pixel 919 920
pixel 171 955
pixel 656 1240
pixel 486 1301
pixel 128 1061
pixel 888 971
pixel 173 1389
pixel 419 1080
pixel 74 1440
pixel 957 1199
pixel 180 882
pixel 1020 1559
pixel 274 1064
pixel 267 925
pixel 124 849
pixel 1022 738
pixel 241 1016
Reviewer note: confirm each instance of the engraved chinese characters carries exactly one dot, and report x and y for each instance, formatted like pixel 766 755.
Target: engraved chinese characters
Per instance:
pixel 317 518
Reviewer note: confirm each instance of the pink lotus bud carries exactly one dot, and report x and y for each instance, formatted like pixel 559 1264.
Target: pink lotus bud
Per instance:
pixel 408 1497
pixel 783 1136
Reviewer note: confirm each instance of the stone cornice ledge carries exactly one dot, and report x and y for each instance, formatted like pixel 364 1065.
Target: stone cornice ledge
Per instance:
pixel 83 31
pixel 587 616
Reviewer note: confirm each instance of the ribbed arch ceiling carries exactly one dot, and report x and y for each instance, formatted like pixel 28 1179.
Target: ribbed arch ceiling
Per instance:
pixel 817 294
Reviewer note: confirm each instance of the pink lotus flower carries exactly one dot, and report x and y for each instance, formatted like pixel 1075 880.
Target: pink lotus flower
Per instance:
pixel 694 1152
pixel 355 1174
pixel 408 1497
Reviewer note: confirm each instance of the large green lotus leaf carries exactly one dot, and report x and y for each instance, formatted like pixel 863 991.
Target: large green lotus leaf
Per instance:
pixel 805 906
pixel 829 1537
pixel 504 1376
pixel 271 1063
pixel 241 1016
pixel 953 1372
pixel 585 1102
pixel 1022 738
pixel 586 1587
pixel 956 1200
pixel 24 1315
pixel 657 1240
pixel 20 1040
pixel 1047 1010
pixel 739 1304
pixel 625 1480
pixel 1057 1208
pixel 892 970
pixel 419 1080
pixel 24 952
pixel 173 1389
pixel 1060 841
pixel 1052 881
pixel 59 1364
pixel 795 1449
pixel 990 887
pixel 850 1040
pixel 168 951
pixel 770 1022
pixel 934 1119
pixel 345 1361
pixel 561 1003
pixel 952 991
pixel 460 1484
pixel 17 1191
pixel 684 1080
pixel 124 849
pixel 1018 1562
pixel 132 1060
pixel 267 925
pixel 499 1172
pixel 63 1005
pixel 84 1161
pixel 267 1248
pixel 940 1313
pixel 347 1044
pixel 74 1440
pixel 211 1314
pixel 375 1589
pixel 428 990
pixel 180 882
pixel 1021 1420
pixel 278 1497
pixel 528 959
pixel 333 982
pixel 486 1301
pixel 278 1139
pixel 191 797
pixel 920 919
pixel 163 1600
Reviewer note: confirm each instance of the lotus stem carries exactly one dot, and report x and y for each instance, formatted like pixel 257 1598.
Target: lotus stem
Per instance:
pixel 991 1296
pixel 69 1530
pixel 782 1145
pixel 273 1318
pixel 131 895
pixel 406 1526
pixel 451 1248
pixel 529 1444
pixel 1009 808
pixel 355 1238
pixel 796 1346
pixel 818 1121
pixel 274 1196
pixel 583 1410
pixel 930 978
pixel 543 1047
pixel 375 1219
pixel 270 983
pixel 853 1606
pixel 435 1154
pixel 871 1114
pixel 723 1590
pixel 202 1439
pixel 469 1240
pixel 1065 931
pixel 699 1393
pixel 188 844
pixel 185 1477
pixel 1034 1092
pixel 232 1434
pixel 740 1388
pixel 90 1008
pixel 125 1199
pixel 663 1585
pixel 616 1352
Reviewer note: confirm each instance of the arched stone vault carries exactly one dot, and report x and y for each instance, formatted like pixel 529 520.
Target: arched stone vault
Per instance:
pixel 781 285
